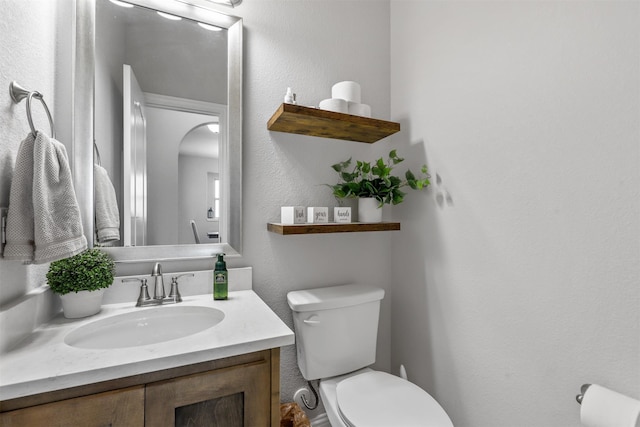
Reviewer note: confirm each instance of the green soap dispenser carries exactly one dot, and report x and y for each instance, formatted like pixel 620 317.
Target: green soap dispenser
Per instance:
pixel 220 279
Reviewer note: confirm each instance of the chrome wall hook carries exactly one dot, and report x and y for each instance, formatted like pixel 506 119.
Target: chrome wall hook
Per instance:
pixel 18 93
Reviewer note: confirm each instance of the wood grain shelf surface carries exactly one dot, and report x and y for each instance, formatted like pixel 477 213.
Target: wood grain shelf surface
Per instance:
pixel 328 124
pixel 286 229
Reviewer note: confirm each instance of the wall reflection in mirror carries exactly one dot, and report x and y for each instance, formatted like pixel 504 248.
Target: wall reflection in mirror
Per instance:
pixel 161 107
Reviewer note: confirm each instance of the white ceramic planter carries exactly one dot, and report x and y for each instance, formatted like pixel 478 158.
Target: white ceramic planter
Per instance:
pixel 81 304
pixel 368 210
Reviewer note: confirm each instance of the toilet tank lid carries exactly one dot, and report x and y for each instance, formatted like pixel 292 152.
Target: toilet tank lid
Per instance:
pixel 333 297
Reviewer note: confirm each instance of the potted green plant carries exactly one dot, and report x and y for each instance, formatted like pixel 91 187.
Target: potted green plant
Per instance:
pixel 80 281
pixel 374 185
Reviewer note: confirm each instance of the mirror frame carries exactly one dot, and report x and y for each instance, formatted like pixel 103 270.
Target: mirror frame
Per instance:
pixel 83 130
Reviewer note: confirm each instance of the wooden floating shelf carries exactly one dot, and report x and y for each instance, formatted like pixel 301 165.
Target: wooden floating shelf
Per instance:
pixel 333 227
pixel 301 120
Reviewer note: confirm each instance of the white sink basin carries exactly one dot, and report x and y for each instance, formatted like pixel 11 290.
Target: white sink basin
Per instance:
pixel 144 327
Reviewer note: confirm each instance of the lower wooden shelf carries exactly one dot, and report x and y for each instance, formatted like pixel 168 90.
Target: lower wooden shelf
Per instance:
pixel 286 229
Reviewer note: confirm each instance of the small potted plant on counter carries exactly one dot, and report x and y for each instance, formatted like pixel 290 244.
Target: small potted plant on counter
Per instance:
pixel 374 185
pixel 80 281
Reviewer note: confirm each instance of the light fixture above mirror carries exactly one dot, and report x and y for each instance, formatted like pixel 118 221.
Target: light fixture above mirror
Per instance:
pixel 121 4
pixel 169 16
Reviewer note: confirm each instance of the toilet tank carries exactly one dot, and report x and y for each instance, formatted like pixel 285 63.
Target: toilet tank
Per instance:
pixel 336 328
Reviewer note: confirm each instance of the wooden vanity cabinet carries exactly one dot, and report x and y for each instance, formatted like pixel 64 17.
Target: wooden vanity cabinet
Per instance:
pixel 113 408
pixel 236 391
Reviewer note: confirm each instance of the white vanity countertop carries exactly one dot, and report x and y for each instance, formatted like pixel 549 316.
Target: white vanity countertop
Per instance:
pixel 42 362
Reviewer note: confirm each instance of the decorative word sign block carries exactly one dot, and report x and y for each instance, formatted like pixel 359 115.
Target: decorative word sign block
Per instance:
pixel 342 214
pixel 316 215
pixel 292 215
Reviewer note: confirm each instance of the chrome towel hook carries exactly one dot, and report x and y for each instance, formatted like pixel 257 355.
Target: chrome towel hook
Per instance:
pixel 18 93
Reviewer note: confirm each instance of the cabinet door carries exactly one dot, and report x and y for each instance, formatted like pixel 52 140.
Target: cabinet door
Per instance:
pixel 115 408
pixel 236 396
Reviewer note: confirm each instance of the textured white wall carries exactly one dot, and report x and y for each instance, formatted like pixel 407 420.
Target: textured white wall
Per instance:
pixel 30 55
pixel 526 284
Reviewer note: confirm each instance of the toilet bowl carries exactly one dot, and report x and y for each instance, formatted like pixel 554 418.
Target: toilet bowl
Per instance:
pixel 373 398
pixel 336 333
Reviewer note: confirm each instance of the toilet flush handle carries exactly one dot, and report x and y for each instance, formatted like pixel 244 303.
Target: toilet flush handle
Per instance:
pixel 312 320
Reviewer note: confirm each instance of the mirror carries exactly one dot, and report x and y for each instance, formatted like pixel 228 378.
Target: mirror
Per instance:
pixel 164 112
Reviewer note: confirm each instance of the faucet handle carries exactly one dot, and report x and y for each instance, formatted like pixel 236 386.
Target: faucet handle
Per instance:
pixel 175 292
pixel 144 297
pixel 180 275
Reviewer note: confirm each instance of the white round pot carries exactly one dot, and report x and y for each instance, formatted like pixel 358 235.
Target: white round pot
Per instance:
pixel 369 210
pixel 81 304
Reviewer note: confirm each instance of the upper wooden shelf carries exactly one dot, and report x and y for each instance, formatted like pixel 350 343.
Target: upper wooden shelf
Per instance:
pixel 328 124
pixel 331 227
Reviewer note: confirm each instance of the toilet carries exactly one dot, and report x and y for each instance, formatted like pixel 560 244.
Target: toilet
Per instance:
pixel 336 332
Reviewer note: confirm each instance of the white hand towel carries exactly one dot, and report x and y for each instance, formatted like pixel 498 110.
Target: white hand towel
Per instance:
pixel 20 215
pixel 106 206
pixel 43 222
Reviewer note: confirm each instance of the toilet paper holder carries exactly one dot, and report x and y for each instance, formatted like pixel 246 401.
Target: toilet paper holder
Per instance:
pixel 583 390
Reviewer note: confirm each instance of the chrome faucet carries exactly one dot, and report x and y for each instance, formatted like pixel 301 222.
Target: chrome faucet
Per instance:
pixel 159 297
pixel 158 290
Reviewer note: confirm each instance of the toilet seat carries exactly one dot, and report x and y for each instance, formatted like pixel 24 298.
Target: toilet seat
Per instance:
pixel 379 399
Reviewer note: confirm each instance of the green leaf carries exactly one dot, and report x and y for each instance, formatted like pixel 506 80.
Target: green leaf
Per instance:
pixel 348 177
pixel 354 187
pixel 338 192
pixel 398 197
pixel 393 156
pixel 339 167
